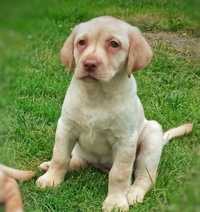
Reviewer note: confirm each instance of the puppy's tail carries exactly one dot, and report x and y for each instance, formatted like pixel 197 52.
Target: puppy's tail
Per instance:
pixel 17 174
pixel 176 132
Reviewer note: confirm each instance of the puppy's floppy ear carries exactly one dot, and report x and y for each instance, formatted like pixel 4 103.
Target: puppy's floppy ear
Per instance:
pixel 140 52
pixel 67 52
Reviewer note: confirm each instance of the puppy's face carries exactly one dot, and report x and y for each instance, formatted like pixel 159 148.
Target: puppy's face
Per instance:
pixel 100 48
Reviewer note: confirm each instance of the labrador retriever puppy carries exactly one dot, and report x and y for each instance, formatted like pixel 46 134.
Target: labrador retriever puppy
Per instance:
pixel 102 120
pixel 9 191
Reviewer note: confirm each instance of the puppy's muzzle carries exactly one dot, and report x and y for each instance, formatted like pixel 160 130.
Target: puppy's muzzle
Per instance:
pixel 91 64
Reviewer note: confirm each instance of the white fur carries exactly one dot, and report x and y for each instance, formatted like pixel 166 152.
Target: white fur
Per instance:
pixel 102 121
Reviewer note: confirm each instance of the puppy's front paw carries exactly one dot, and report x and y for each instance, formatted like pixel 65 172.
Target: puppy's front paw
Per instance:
pixel 49 180
pixel 135 195
pixel 116 202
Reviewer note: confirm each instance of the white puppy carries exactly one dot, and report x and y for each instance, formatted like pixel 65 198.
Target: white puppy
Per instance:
pixel 102 120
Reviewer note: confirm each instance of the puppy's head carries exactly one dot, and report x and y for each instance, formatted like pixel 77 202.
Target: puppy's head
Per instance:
pixel 102 47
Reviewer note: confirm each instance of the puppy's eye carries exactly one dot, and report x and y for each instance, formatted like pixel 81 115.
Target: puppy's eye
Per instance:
pixel 82 42
pixel 114 44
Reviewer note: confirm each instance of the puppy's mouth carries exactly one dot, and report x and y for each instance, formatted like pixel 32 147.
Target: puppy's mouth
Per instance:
pixel 89 77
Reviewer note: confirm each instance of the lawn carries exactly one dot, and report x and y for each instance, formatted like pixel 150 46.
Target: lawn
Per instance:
pixel 33 84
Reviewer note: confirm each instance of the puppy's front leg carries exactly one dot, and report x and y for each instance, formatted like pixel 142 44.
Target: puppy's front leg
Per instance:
pixel 64 143
pixel 120 175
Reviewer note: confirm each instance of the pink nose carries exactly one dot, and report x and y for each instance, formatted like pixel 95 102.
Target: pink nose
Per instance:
pixel 90 65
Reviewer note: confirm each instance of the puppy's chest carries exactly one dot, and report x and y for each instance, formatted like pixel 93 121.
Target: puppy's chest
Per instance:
pixel 100 129
pixel 94 133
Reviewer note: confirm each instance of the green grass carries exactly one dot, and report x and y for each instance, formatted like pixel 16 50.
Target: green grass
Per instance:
pixel 33 85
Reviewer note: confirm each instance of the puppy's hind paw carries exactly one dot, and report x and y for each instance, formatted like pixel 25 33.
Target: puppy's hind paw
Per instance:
pixel 44 166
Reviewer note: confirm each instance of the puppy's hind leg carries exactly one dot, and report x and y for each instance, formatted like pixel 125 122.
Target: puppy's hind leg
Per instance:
pixel 147 161
pixel 77 162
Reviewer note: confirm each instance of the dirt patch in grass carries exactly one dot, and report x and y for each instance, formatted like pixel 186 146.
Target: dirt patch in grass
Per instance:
pixel 185 45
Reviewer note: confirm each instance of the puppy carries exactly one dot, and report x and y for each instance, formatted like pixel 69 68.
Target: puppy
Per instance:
pixel 102 120
pixel 9 191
